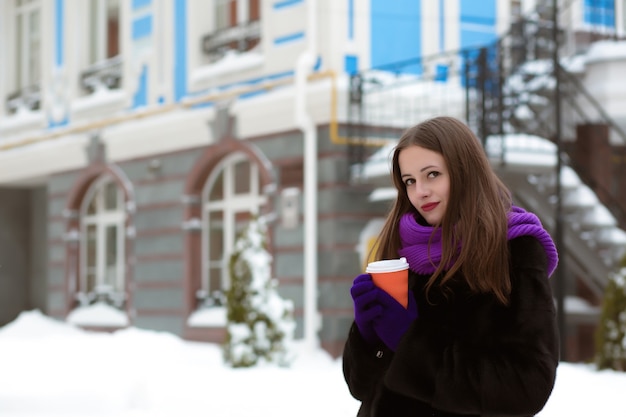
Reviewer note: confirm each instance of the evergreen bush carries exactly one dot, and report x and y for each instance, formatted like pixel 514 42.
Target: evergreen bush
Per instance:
pixel 260 323
pixel 611 332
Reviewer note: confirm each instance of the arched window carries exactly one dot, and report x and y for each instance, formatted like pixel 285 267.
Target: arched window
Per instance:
pixel 231 195
pixel 102 244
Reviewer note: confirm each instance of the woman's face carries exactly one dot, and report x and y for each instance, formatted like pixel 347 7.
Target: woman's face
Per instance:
pixel 427 181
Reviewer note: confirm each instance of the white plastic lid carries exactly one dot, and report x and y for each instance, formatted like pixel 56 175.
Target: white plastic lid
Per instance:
pixel 388 265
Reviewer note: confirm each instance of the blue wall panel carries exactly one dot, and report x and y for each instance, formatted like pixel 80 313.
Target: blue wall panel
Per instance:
pixel 59 24
pixel 139 4
pixel 59 55
pixel 142 27
pixel 396 32
pixel 351 64
pixel 478 23
pixel 350 19
pixel 141 95
pixel 180 49
pixel 442 25
pixel 286 3
pixel 292 37
pixel 600 13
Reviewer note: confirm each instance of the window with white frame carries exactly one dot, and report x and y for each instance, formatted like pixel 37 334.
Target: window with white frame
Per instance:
pixel 222 14
pixel 231 197
pixel 102 255
pixel 104 24
pixel 27 56
pixel 229 13
pixel 102 49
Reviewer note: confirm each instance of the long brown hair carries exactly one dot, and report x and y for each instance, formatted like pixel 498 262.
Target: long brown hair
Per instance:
pixel 476 216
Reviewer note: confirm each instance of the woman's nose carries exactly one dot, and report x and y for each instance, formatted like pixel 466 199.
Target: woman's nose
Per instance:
pixel 421 189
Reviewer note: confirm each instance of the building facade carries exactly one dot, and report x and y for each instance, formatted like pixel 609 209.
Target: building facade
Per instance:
pixel 137 137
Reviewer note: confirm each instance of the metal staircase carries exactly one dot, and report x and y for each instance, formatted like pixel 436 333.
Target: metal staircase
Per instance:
pixel 524 101
pixel 506 92
pixel 524 105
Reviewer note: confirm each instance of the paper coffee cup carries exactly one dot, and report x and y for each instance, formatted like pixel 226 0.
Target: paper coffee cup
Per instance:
pixel 392 276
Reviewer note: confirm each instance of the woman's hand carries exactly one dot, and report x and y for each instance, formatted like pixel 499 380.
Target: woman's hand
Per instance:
pixel 378 315
pixel 366 309
pixel 393 320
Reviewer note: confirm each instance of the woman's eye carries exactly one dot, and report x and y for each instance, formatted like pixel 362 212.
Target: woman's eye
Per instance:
pixel 409 181
pixel 433 174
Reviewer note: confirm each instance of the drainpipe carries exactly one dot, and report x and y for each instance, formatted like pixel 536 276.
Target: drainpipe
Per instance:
pixel 304 67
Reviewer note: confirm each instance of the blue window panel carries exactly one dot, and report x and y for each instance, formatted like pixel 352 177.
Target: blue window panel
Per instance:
pixel 286 3
pixel 180 49
pixel 142 27
pixel 396 33
pixel 587 11
pixel 600 13
pixel 351 64
pixel 609 19
pixel 59 11
pixel 139 4
pixel 141 95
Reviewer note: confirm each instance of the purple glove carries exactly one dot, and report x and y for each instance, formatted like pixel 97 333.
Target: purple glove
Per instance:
pixel 393 320
pixel 364 294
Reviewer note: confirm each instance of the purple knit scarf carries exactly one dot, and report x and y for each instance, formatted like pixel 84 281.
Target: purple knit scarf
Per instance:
pixel 423 259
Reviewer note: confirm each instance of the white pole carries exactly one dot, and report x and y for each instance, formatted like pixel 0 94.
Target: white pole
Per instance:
pixel 304 67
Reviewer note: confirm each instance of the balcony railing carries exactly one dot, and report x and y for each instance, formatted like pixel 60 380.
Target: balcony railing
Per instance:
pixel 27 98
pixel 104 74
pixel 242 38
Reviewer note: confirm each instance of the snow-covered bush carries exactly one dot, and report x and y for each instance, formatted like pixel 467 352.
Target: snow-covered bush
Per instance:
pixel 611 333
pixel 260 323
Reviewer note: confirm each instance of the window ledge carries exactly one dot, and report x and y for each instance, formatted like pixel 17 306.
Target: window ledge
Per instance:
pixel 233 62
pixel 100 101
pixel 22 120
pixel 98 315
pixel 208 317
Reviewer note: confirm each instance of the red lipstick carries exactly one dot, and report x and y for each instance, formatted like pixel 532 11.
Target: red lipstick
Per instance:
pixel 429 206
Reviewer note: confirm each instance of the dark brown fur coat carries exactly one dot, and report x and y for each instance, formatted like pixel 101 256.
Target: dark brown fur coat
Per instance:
pixel 466 354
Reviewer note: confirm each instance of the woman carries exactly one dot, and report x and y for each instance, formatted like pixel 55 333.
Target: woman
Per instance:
pixel 478 337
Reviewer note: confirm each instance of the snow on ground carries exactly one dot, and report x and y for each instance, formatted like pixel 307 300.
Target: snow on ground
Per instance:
pixel 50 368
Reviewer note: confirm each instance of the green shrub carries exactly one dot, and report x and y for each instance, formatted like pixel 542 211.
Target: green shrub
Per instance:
pixel 611 332
pixel 260 323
